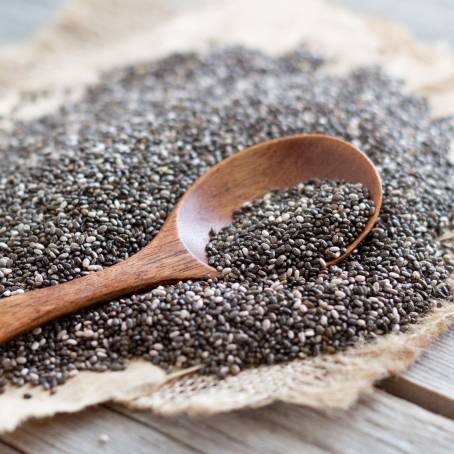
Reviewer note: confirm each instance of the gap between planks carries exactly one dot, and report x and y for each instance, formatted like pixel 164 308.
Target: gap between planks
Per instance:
pixel 429 382
pixel 381 423
pixel 7 449
pixel 79 433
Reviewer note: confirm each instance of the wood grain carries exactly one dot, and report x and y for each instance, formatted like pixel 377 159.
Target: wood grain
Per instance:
pixel 178 251
pixel 79 433
pixel 379 424
pixel 6 449
pixel 240 432
pixel 430 381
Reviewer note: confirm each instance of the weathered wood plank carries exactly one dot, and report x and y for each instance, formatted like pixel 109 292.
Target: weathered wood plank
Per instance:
pixel 381 423
pixel 6 449
pixel 79 433
pixel 436 366
pixel 430 381
pixel 233 432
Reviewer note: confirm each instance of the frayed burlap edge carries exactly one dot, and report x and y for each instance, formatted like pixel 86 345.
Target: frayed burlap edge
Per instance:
pixel 71 54
pixel 326 381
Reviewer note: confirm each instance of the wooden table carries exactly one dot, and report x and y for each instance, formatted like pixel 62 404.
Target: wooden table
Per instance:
pixel 410 414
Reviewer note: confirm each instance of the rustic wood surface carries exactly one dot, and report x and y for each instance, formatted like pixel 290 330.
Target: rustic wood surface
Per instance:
pixel 430 382
pixel 5 449
pixel 380 423
pixel 435 370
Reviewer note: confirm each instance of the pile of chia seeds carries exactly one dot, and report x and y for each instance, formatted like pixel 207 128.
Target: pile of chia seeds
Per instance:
pixel 292 232
pixel 92 184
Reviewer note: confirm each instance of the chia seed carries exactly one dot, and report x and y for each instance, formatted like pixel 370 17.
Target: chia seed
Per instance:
pixel 293 230
pixel 92 184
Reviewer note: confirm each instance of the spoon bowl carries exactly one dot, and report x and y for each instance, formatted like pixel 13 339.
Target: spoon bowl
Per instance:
pixel 178 251
pixel 276 164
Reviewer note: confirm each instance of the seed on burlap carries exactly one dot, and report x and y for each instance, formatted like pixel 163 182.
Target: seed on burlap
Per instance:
pixel 94 182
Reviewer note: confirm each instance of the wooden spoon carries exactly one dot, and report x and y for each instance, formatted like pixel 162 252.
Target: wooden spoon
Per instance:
pixel 178 251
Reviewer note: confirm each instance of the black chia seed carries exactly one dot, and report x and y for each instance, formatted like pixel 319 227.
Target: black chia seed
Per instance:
pixel 292 232
pixel 92 184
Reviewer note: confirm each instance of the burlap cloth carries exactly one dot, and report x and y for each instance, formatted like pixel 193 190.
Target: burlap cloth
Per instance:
pixel 91 36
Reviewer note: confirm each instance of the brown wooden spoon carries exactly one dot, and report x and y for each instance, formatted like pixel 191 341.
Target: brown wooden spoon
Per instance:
pixel 178 251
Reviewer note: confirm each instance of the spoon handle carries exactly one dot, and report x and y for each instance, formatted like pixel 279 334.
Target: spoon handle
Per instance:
pixel 161 261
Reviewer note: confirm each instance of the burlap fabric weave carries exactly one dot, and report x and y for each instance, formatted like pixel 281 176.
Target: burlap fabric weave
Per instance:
pixel 92 36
